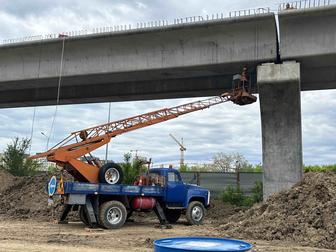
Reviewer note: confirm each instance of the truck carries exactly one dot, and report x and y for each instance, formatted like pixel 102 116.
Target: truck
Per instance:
pixel 98 191
pixel 111 205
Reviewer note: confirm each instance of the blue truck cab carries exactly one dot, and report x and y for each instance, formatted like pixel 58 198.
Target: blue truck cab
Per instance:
pixel 179 194
pixel 111 205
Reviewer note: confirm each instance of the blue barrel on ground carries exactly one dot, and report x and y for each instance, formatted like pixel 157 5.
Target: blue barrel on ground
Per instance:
pixel 204 244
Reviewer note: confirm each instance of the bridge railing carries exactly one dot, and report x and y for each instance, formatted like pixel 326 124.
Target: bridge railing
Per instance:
pixel 304 4
pixel 249 12
pixel 137 26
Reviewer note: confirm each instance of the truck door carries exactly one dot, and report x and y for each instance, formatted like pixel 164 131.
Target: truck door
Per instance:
pixel 176 191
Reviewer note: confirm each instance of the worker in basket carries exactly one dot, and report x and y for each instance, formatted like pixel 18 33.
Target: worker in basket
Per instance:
pixel 241 89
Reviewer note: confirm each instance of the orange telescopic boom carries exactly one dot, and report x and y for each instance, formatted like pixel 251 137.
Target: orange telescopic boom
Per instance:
pixel 68 152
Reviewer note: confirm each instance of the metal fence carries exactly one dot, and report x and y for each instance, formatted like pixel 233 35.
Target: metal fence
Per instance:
pixel 158 24
pixel 304 4
pixel 216 182
pixel 301 4
pixel 249 12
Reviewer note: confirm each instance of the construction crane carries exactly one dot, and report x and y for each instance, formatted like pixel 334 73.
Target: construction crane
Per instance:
pixel 73 154
pixel 182 149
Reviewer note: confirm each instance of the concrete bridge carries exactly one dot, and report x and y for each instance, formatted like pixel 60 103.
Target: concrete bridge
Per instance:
pixel 189 60
pixel 196 59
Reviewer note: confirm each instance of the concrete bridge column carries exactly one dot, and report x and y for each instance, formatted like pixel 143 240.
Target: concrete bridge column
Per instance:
pixel 280 108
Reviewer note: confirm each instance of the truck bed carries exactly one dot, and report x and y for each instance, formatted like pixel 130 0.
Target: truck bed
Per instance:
pixel 106 189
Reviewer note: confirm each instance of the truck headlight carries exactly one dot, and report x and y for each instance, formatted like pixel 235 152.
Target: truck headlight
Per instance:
pixel 208 201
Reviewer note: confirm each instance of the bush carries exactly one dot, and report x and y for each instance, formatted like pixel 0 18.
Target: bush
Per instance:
pixel 132 168
pixel 15 160
pixel 235 196
pixel 257 192
pixel 232 195
pixel 319 168
pixel 248 202
pixel 52 168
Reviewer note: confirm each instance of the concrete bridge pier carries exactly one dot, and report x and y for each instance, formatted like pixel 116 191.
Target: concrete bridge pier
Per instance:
pixel 280 108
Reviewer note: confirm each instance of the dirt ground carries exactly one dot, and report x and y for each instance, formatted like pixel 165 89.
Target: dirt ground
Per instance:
pixel 29 235
pixel 304 214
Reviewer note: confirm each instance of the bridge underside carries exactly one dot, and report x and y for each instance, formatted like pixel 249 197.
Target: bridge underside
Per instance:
pixel 138 87
pixel 44 91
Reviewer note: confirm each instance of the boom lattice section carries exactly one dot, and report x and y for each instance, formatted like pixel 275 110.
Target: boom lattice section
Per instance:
pixel 115 128
pixel 71 153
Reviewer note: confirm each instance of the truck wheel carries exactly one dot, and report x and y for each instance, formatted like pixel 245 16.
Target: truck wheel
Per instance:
pixel 173 215
pixel 195 213
pixel 112 214
pixel 111 173
pixel 82 215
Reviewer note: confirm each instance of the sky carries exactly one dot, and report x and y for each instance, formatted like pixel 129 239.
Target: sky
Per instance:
pixel 224 128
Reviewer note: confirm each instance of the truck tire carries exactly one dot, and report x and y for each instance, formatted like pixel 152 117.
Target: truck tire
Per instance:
pixel 111 173
pixel 173 215
pixel 195 213
pixel 112 214
pixel 82 215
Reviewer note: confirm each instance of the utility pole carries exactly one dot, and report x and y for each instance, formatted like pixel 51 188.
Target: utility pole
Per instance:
pixel 182 149
pixel 238 174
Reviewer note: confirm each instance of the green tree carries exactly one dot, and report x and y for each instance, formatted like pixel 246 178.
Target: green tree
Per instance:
pixel 132 168
pixel 252 168
pixel 184 168
pixel 15 160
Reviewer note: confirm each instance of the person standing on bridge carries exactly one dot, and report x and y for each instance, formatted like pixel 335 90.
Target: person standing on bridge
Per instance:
pixel 244 79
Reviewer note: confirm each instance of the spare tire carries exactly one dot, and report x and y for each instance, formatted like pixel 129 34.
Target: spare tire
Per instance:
pixel 111 173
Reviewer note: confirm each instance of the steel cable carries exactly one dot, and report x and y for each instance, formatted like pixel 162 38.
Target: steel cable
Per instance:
pixel 58 93
pixel 34 112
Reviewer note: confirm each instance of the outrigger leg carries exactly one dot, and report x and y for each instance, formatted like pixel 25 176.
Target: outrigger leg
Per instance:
pixel 64 215
pixel 90 213
pixel 161 216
